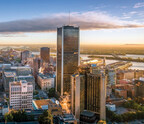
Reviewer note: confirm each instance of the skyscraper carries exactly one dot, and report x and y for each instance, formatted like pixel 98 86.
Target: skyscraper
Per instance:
pixel 45 54
pixel 88 92
pixel 77 94
pixel 96 93
pixel 67 56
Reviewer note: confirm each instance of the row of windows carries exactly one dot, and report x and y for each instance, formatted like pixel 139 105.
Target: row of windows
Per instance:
pixel 18 92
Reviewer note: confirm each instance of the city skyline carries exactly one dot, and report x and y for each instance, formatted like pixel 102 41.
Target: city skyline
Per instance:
pixel 71 61
pixel 100 22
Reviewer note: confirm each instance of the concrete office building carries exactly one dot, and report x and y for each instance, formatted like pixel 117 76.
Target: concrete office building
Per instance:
pixel 77 94
pixel 89 93
pixel 96 94
pixel 46 82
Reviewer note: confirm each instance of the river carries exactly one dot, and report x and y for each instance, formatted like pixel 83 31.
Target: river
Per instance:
pixel 136 65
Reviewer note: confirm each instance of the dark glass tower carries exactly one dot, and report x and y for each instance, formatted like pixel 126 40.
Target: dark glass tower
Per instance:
pixel 45 54
pixel 67 56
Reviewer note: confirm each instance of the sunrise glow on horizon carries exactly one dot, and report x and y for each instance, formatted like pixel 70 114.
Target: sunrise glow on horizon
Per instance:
pixel 114 22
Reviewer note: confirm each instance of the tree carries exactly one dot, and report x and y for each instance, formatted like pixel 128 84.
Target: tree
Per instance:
pixel 20 116
pixel 51 92
pixel 8 117
pixel 35 92
pixel 16 116
pixel 46 118
pixel 125 117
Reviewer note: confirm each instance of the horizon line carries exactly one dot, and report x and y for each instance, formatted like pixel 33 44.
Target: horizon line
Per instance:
pixel 55 44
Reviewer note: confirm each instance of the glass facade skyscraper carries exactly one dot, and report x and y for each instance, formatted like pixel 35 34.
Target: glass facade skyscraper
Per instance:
pixel 67 56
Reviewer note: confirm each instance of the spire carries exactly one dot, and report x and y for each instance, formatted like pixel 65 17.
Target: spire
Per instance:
pixel 69 17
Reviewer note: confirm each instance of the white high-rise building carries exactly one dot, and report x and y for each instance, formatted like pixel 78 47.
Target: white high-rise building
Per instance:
pixel 21 95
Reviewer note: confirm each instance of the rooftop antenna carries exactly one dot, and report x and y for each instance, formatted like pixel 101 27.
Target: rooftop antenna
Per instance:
pixel 69 17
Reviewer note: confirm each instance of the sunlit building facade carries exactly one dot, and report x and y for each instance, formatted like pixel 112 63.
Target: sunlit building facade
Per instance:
pixel 67 56
pixel 88 92
pixel 21 95
pixel 77 94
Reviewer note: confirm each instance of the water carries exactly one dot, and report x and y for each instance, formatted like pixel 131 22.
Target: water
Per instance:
pixel 136 65
pixel 133 56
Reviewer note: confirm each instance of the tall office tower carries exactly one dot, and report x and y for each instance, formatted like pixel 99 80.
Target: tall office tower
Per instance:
pixel 96 91
pixel 77 94
pixel 45 54
pixel 94 87
pixel 96 94
pixel 25 55
pixel 67 57
pixel 21 95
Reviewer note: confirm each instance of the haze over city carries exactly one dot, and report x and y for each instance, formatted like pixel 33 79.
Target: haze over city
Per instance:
pixel 101 22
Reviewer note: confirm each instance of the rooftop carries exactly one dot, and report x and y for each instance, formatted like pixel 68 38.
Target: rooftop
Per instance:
pixel 43 76
pixel 20 82
pixel 40 103
pixel 88 113
pixel 10 73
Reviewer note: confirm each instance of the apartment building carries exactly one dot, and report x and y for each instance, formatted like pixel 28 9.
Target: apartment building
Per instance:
pixel 21 95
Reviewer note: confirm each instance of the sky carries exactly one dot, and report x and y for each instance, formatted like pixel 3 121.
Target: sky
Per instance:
pixel 100 21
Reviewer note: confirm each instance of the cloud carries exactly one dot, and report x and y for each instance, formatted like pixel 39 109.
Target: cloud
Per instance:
pixel 129 14
pixel 12 34
pixel 91 20
pixel 138 5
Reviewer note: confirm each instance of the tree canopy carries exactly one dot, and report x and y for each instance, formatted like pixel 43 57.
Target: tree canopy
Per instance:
pixel 17 116
pixel 46 118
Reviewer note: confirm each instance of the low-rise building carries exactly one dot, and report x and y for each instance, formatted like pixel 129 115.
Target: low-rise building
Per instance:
pixel 121 93
pixel 21 95
pixel 8 76
pixel 17 73
pixel 89 117
pixel 3 109
pixel 129 74
pixel 128 87
pixel 139 88
pixel 111 107
pixel 46 81
pixel 48 104
pixel 66 118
